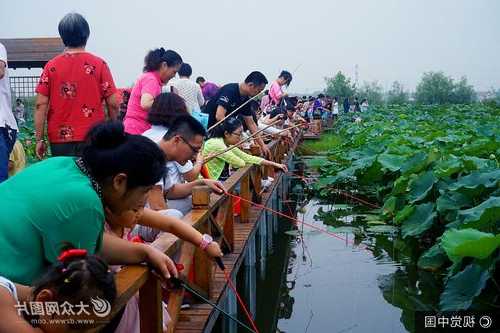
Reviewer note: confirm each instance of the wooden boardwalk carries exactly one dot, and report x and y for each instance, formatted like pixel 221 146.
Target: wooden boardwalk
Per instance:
pixel 233 235
pixel 201 317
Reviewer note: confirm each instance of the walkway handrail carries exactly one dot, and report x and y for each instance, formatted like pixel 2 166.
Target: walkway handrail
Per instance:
pixel 217 219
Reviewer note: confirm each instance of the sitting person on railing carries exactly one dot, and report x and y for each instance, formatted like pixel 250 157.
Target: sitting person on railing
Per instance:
pixel 166 108
pixel 224 136
pixel 76 278
pixel 66 199
pixel 180 143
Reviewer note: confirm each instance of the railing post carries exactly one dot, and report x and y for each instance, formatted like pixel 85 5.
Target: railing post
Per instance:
pixel 150 306
pixel 245 194
pixel 229 222
pixel 203 264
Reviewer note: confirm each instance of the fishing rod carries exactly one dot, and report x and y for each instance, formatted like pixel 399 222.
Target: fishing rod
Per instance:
pixel 235 110
pixel 253 136
pixel 179 283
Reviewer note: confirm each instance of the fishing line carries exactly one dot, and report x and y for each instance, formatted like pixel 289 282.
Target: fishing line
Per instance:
pixel 238 297
pixel 293 219
pixel 180 283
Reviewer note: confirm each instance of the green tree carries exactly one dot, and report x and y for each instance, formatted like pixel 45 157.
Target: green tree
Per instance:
pixel 437 88
pixel 373 92
pixel 397 95
pixel 463 93
pixel 339 85
pixel 434 88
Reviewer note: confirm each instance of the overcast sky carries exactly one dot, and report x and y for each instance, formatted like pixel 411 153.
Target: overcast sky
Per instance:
pixel 225 40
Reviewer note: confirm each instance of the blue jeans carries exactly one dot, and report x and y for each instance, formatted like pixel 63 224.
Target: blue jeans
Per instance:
pixel 7 140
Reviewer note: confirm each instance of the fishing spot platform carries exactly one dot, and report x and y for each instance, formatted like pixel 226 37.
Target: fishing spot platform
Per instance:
pixel 239 234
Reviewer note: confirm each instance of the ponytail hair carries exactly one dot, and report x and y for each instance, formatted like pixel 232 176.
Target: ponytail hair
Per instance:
pixel 154 59
pixel 229 125
pixel 110 151
pixel 78 277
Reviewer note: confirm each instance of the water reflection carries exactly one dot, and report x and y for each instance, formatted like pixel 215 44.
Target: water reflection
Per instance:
pixel 307 281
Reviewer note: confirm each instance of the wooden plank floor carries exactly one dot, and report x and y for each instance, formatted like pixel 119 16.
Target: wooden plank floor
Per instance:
pixel 311 136
pixel 195 318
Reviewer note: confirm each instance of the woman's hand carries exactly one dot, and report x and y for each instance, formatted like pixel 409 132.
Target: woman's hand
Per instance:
pixel 41 149
pixel 215 185
pixel 281 166
pixel 213 250
pixel 160 262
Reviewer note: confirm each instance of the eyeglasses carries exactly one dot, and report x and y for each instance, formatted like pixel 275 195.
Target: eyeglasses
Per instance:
pixel 237 134
pixel 194 149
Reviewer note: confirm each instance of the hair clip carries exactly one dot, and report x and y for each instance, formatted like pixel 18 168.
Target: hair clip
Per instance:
pixel 73 253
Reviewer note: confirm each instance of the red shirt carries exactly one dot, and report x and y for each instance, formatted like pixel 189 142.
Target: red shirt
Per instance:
pixel 76 84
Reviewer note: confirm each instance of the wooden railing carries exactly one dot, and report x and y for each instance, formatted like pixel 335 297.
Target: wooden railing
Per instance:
pixel 218 220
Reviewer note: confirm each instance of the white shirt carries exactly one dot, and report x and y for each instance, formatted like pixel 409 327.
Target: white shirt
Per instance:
pixel 335 108
pixel 6 115
pixel 175 171
pixel 10 286
pixel 190 91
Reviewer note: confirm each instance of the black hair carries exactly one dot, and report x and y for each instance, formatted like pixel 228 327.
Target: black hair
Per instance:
pixel 185 126
pixel 257 78
pixel 110 151
pixel 321 96
pixel 79 278
pixel 229 125
pixel 287 76
pixel 154 59
pixel 166 108
pixel 200 79
pixel 185 70
pixel 74 30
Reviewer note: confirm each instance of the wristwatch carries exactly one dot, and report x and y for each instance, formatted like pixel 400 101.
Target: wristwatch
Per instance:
pixel 206 239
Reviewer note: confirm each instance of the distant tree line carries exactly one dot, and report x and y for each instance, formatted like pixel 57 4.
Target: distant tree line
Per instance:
pixel 433 88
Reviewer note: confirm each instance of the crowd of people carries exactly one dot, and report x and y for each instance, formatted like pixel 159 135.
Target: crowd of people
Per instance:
pixel 121 169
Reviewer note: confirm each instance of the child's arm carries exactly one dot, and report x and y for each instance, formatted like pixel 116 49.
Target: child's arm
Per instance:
pixel 156 199
pixel 11 321
pixel 179 228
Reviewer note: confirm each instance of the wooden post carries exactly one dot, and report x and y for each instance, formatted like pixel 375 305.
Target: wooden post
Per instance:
pixel 229 222
pixel 245 194
pixel 201 197
pixel 176 296
pixel 203 264
pixel 150 306
pixel 256 177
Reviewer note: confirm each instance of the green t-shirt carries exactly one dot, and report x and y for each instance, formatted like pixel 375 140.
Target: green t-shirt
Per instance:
pixel 42 208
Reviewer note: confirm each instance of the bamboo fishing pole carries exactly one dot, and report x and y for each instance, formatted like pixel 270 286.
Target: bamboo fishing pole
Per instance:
pixel 281 131
pixel 233 112
pixel 253 136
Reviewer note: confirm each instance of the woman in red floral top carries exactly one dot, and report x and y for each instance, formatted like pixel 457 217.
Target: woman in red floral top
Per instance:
pixel 71 92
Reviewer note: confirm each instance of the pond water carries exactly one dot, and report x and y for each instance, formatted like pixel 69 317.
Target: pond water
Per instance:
pixel 363 280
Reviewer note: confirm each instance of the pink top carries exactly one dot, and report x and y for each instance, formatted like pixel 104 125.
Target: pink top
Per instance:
pixel 136 118
pixel 275 92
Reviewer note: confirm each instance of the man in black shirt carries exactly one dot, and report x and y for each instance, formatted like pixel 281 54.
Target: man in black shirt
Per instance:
pixel 232 96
